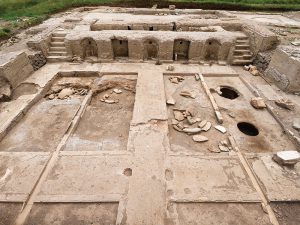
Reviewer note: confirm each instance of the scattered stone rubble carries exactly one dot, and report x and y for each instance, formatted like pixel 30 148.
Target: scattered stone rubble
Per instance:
pixel 37 60
pixel 176 79
pixel 285 103
pixel 61 92
pixel 252 69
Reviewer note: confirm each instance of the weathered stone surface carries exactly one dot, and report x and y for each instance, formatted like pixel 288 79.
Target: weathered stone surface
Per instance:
pixel 287 157
pixel 221 129
pixel 258 103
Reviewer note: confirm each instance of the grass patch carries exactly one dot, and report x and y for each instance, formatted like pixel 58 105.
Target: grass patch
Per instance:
pixel 4 32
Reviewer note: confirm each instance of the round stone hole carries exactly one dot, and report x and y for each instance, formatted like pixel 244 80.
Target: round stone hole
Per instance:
pixel 248 129
pixel 228 92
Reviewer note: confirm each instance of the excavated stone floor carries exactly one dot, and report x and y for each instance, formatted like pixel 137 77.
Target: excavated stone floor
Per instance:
pixel 114 143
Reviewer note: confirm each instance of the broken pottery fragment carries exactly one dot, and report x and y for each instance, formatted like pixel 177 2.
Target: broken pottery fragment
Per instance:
pixel 202 123
pixel 178 115
pixel 253 70
pixel 287 157
pixel 296 124
pixel 177 128
pixel 221 129
pixel 187 94
pixel 110 101
pixel 285 103
pixel 191 110
pixel 223 148
pixel 117 91
pixel 191 120
pixel 52 96
pixel 170 68
pixel 199 138
pixel 192 130
pixel 174 122
pixel 174 80
pixel 181 125
pixel 65 93
pixel 213 149
pixel 171 101
pixel 197 119
pixel 206 127
pixel 258 103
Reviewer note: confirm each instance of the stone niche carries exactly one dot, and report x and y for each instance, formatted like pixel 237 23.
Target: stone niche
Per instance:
pixel 284 69
pixel 212 49
pixel 181 49
pixel 89 47
pixel 150 49
pixel 120 48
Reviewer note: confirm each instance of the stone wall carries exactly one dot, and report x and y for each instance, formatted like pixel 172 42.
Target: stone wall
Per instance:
pixel 137 43
pixel 15 67
pixel 284 69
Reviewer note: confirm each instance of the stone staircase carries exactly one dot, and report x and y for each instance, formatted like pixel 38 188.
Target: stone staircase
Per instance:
pixel 57 51
pixel 242 54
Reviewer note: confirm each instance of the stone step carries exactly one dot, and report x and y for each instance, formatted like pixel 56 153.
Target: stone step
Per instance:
pixel 59 34
pixel 241 61
pixel 242 38
pixel 242 42
pixel 58 39
pixel 57 49
pixel 242 51
pixel 242 46
pixel 57 58
pixel 57 44
pixel 57 53
pixel 247 57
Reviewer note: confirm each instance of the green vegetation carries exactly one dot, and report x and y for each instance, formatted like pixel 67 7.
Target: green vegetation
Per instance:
pixel 24 13
pixel 4 32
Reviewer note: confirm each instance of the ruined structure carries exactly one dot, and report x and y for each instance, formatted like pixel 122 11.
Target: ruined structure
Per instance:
pixel 150 116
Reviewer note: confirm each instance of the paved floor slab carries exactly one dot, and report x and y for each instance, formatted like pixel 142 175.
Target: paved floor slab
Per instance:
pixel 73 214
pixel 280 183
pixel 209 178
pixel 18 174
pixel 221 214
pixel 90 178
pixel 42 127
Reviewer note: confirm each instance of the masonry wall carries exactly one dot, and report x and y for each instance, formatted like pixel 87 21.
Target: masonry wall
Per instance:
pixel 15 67
pixel 284 75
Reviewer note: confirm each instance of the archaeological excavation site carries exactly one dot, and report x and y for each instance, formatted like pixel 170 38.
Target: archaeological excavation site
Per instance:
pixel 148 116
